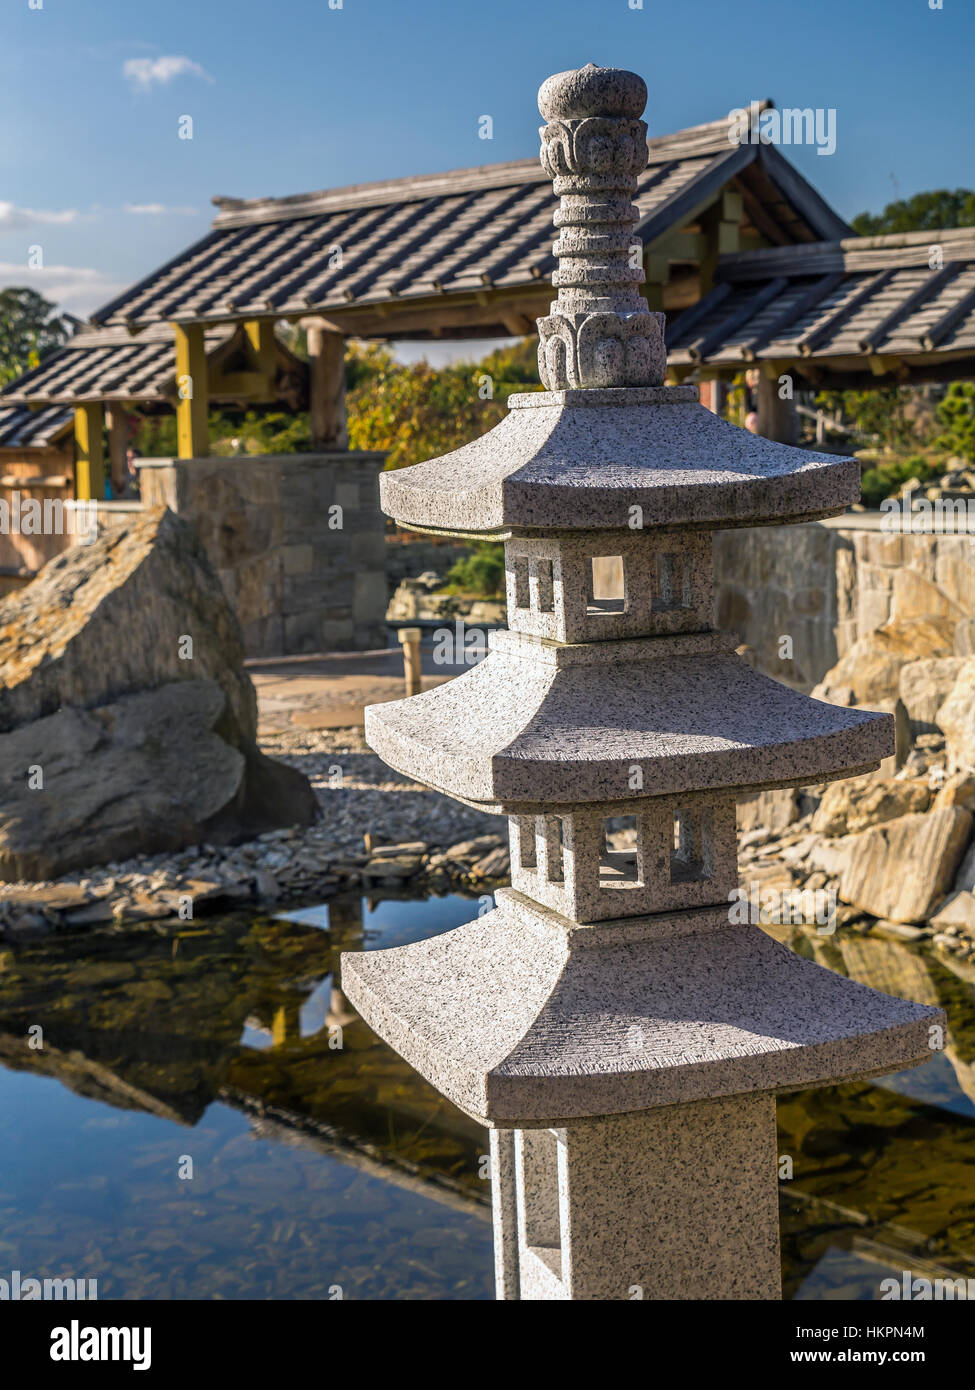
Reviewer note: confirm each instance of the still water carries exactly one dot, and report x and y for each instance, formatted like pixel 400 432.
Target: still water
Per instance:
pixel 208 1118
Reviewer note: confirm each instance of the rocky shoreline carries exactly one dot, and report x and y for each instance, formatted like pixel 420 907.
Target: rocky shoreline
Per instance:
pixel 416 840
pixel 797 849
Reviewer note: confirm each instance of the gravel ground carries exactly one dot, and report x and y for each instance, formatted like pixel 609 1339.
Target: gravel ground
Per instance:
pixel 442 844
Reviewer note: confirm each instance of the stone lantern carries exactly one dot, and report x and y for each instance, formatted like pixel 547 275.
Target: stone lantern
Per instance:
pixel 620 1035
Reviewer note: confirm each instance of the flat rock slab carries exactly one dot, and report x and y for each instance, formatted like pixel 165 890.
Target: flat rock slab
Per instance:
pixel 518 1027
pixel 901 870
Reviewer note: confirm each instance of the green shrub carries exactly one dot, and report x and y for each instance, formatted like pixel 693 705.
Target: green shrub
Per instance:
pixel 480 573
pixel 886 479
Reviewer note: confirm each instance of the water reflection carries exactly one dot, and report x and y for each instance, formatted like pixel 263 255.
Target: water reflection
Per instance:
pixel 884 1171
pixel 321 1161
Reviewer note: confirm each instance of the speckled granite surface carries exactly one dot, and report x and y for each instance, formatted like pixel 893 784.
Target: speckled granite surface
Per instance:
pixel 519 1028
pixel 517 731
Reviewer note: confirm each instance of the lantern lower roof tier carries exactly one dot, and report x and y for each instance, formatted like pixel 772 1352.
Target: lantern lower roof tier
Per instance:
pixel 545 723
pixel 521 1017
pixel 567 460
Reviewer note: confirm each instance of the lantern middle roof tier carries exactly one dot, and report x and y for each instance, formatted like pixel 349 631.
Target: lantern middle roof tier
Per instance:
pixel 541 723
pixel 584 459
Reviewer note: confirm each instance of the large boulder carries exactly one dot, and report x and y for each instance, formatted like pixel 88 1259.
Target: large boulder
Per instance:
pixel 956 719
pixel 113 617
pixel 924 687
pixel 901 870
pixel 860 802
pixel 870 670
pixel 127 722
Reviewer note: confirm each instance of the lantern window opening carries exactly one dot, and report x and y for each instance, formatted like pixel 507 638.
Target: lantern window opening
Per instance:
pixel 607 589
pixel 621 853
pixel 554 842
pixel 543 572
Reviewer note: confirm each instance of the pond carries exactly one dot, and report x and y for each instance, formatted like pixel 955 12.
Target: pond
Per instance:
pixel 207 1118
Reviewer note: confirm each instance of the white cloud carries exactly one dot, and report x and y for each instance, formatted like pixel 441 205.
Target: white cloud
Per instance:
pixel 14 219
pixel 145 73
pixel 157 210
pixel 78 289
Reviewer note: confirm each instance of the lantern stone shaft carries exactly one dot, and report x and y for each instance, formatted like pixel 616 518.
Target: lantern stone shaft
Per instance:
pixel 618 1030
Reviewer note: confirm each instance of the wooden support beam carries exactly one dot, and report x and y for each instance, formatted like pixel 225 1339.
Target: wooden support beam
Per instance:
pixel 89 468
pixel 115 423
pixel 193 404
pixel 326 361
pixel 777 419
pixel 656 267
pixel 722 230
pixel 260 336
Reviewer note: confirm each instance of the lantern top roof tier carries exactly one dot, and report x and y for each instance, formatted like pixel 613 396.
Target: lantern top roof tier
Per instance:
pixel 607 435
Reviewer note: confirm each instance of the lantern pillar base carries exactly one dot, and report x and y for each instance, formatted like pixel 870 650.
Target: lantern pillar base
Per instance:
pixel 679 1202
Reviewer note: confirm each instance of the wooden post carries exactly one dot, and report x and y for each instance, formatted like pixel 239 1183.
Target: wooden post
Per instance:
pixel 260 335
pixel 192 408
pixel 722 228
pixel 410 638
pixel 778 418
pixel 657 270
pixel 89 470
pixel 326 362
pixel 117 442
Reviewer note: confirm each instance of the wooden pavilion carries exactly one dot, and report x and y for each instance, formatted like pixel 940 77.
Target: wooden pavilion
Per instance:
pixel 463 254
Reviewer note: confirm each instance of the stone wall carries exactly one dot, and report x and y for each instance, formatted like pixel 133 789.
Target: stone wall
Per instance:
pixel 826 584
pixel 407 557
pixel 298 580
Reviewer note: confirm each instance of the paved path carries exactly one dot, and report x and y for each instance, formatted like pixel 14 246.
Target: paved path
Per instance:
pixel 330 690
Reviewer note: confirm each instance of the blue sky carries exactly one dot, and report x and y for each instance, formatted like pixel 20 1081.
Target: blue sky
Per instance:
pixel 297 95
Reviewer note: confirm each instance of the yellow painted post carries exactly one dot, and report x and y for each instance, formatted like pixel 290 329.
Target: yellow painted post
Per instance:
pixel 89 472
pixel 260 335
pixel 192 407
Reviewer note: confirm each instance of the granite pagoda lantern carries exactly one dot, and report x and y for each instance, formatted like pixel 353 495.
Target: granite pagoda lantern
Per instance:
pixel 623 1040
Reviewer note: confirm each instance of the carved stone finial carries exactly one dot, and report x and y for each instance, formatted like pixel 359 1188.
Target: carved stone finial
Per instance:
pixel 600 331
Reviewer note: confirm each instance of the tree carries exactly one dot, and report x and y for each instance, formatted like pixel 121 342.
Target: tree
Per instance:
pixel 419 412
pixel 925 212
pixel 30 329
pixel 957 414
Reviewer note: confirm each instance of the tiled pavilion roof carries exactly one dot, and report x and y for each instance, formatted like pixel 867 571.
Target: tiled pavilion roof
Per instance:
pixel 23 428
pixel 433 237
pixel 111 364
pixel 864 305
